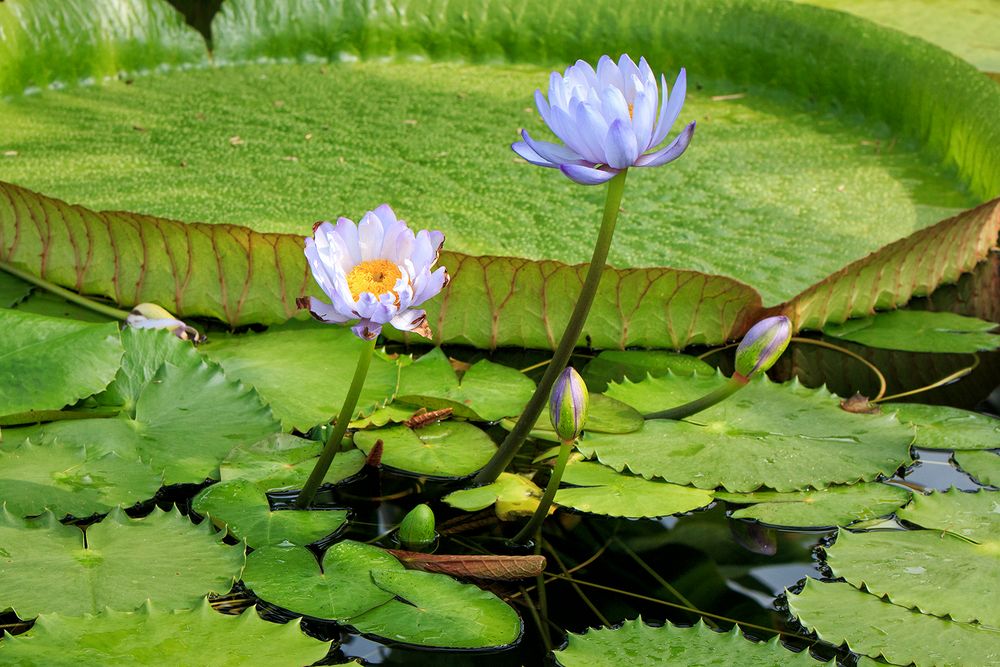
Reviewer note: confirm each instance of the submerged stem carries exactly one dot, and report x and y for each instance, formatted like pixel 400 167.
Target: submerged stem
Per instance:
pixel 542 510
pixel 308 492
pixel 505 454
pixel 734 384
pixel 73 297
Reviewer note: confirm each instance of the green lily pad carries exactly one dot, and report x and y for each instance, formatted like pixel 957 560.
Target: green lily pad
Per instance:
pixel 121 563
pixel 48 363
pixel 66 479
pixel 153 636
pixel 46 303
pixel 445 449
pixel 12 290
pixel 604 491
pixel 973 516
pixel 943 427
pixel 486 392
pixel 303 371
pixel 146 350
pixel 604 415
pixel 434 610
pixel 613 366
pixel 515 496
pixel 291 578
pixel 784 437
pixel 983 466
pixel 841 614
pixel 282 461
pixel 635 643
pixel 242 509
pixel 396 413
pixel 825 508
pixel 935 573
pixel 919 331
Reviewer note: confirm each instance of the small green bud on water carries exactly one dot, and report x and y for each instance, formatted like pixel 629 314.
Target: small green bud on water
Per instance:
pixel 762 345
pixel 568 405
pixel 417 529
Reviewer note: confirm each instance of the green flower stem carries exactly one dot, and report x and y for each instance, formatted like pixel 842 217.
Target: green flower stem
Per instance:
pixel 550 493
pixel 332 446
pixel 735 383
pixel 70 296
pixel 508 449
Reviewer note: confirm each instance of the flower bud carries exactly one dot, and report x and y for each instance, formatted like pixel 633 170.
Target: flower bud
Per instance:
pixel 416 532
pixel 762 345
pixel 568 405
pixel 151 316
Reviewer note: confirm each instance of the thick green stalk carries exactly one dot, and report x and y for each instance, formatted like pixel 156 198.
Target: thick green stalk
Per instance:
pixel 508 449
pixel 735 383
pixel 332 446
pixel 542 511
pixel 70 296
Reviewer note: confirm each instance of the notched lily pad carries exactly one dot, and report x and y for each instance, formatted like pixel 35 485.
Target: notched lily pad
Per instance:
pixel 919 331
pixel 613 366
pixel 974 516
pixel 283 461
pixel 515 496
pixel 446 449
pixel 983 466
pixel 942 427
pixel 825 508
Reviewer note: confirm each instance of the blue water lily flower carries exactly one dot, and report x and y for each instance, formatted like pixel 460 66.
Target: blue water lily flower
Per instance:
pixel 377 271
pixel 607 120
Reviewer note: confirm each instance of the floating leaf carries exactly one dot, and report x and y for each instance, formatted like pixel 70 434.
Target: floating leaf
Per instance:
pixel 919 331
pixel 146 350
pixel 604 415
pixel 48 363
pixel 242 509
pixel 515 496
pixel 974 516
pixel 825 508
pixel 616 365
pixel 784 437
pixel 186 421
pixel 486 392
pixel 291 578
pixel 436 611
pixel 152 636
pixel 983 466
pixel 12 290
pixel 121 563
pixel 445 449
pixel 303 371
pixel 282 461
pixel 636 643
pixel 475 566
pixel 943 427
pixel 395 412
pixel 841 614
pixel 604 491
pixel 67 479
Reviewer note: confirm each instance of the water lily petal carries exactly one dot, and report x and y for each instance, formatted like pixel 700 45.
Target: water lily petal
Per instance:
pixel 671 152
pixel 323 312
pixel 550 152
pixel 587 175
pixel 525 151
pixel 367 330
pixel 670 109
pixel 620 145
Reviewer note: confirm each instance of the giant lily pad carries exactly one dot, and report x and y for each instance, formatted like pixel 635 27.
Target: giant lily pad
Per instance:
pixel 12 290
pixel 784 437
pixel 943 427
pixel 445 449
pixel 825 508
pixel 434 610
pixel 282 461
pixel 919 331
pixel 121 563
pixel 153 636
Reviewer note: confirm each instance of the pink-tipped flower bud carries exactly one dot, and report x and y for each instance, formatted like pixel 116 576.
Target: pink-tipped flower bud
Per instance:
pixel 568 405
pixel 762 345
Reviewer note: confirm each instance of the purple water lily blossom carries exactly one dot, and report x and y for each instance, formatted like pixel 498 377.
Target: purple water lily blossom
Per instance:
pixel 377 271
pixel 607 120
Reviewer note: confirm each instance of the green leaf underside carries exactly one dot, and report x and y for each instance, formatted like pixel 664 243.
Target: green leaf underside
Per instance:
pixel 616 365
pixel 513 495
pixel 242 509
pixel 841 614
pixel 943 427
pixel 282 461
pixel 445 449
pixel 983 466
pixel 187 419
pixel 47 363
pixel 636 643
pixel 303 370
pixel 152 636
pixel 783 437
pixel 434 610
pixel 125 562
pixel 486 392
pixel 919 331
pixel 604 491
pixel 67 479
pixel 832 506
pixel 974 516
pixel 290 577
pixel 937 574
pixel 12 290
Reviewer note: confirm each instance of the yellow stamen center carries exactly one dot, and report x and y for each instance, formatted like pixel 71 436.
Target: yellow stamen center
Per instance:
pixel 377 276
pixel 631 108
